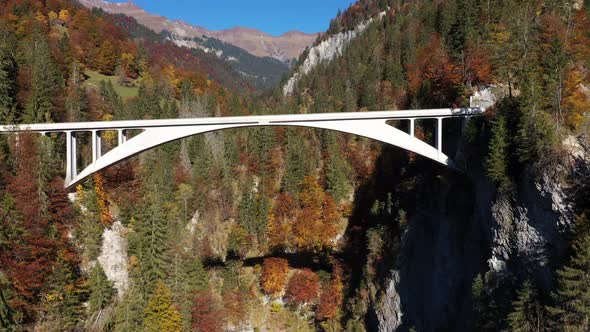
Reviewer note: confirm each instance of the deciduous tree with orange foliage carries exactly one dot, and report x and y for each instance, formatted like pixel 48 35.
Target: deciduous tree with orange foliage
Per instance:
pixel 316 226
pixel 280 220
pixel 102 200
pixel 275 272
pixel 434 79
pixel 303 287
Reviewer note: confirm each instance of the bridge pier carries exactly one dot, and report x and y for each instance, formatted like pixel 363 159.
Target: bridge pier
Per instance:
pixel 71 157
pixel 412 127
pixel 121 137
pixel 438 142
pixel 96 145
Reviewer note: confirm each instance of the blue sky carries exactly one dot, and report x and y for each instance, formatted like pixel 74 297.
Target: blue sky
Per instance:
pixel 271 16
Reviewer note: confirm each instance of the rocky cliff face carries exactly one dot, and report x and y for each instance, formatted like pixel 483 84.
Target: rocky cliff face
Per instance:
pixel 113 257
pixel 467 229
pixel 325 51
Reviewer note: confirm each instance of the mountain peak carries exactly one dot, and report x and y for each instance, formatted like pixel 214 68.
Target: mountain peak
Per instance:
pixel 284 47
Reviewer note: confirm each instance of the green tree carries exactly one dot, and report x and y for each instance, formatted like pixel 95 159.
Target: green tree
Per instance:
pixel 161 314
pixel 8 71
pixel 253 211
pixel 112 102
pixel 6 322
pixel 299 160
pixel 129 313
pixel 76 100
pixel 571 309
pixel 44 81
pixel 101 290
pixel 527 312
pixel 147 104
pixel 149 243
pixel 483 308
pixel 337 169
pixel 497 160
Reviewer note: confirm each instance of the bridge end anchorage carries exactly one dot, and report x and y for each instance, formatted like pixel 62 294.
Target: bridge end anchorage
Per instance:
pixel 373 125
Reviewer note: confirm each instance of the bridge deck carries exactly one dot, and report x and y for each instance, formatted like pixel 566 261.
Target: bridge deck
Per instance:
pixel 244 120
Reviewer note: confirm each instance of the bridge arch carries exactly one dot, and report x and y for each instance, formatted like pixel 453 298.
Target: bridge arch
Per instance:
pixel 153 137
pixel 372 125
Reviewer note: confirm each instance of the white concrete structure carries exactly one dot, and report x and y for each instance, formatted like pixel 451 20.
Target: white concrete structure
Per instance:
pixel 156 132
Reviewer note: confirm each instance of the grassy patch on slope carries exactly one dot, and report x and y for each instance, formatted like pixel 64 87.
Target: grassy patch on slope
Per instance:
pixel 94 79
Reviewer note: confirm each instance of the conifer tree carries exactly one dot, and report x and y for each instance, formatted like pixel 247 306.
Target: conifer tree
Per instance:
pixel 8 71
pixel 571 309
pixel 298 160
pixel 101 289
pixel 147 104
pixel 5 313
pixel 112 101
pixel 44 81
pixel 481 305
pixel 497 161
pixel 337 169
pixel 197 278
pixel 161 314
pixel 526 315
pixel 129 313
pixel 149 242
pixel 76 101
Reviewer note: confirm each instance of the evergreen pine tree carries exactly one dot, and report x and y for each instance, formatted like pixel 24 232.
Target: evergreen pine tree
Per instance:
pixel 298 160
pixel 149 241
pixel 147 104
pixel 8 71
pixel 6 322
pixel 194 279
pixel 101 290
pixel 526 315
pixel 112 101
pixel 482 312
pixel 571 309
pixel 129 313
pixel 337 169
pixel 197 277
pixel 497 161
pixel 161 314
pixel 76 101
pixel 44 81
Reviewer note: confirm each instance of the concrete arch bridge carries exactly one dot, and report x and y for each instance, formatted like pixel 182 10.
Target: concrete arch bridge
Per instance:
pixel 372 125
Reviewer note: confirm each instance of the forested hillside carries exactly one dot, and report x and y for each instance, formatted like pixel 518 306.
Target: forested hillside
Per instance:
pixel 294 229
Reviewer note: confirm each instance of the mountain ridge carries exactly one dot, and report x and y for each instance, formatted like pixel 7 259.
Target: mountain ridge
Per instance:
pixel 283 47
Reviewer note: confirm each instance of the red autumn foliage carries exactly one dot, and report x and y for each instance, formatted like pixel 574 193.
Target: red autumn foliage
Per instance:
pixel 235 307
pixel 206 317
pixel 478 67
pixel 303 287
pixel 29 259
pixel 433 65
pixel 331 297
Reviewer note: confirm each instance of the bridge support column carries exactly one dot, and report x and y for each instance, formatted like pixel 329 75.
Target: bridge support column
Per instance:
pixel 121 137
pixel 439 134
pixel 96 145
pixel 412 128
pixel 71 162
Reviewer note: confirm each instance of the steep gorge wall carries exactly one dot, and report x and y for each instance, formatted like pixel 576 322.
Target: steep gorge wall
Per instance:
pixel 465 228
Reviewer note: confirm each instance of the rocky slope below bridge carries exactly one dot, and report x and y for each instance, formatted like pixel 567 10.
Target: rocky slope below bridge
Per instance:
pixel 467 229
